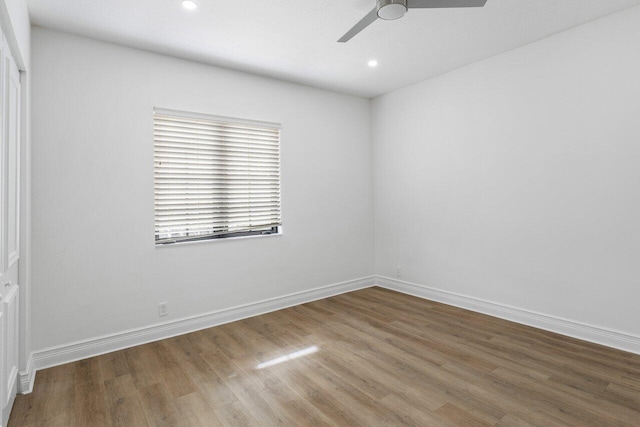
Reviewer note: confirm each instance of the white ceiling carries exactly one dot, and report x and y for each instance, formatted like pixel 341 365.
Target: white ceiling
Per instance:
pixel 296 39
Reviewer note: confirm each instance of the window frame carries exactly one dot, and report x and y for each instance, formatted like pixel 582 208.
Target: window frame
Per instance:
pixel 222 120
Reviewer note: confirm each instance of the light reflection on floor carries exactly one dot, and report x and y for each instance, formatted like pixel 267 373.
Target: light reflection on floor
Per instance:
pixel 290 356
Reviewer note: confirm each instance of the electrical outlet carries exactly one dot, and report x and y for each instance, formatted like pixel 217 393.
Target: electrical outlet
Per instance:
pixel 398 272
pixel 162 309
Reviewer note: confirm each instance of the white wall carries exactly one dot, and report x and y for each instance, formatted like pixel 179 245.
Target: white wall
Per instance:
pixel 517 179
pixel 95 268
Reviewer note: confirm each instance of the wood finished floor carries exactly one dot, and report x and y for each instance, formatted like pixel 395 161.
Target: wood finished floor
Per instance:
pixel 371 357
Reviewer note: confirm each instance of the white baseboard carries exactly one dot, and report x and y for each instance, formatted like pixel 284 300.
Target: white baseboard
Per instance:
pixel 591 333
pixel 27 377
pixel 95 346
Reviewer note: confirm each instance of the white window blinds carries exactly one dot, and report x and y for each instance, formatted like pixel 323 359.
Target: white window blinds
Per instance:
pixel 214 177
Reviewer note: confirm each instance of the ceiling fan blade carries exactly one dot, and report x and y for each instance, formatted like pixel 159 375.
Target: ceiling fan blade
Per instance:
pixel 429 4
pixel 364 23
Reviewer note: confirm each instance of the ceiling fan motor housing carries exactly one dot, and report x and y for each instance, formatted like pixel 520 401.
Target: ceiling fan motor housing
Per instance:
pixel 391 9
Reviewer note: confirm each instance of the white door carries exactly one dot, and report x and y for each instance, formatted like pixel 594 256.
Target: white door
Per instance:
pixel 9 227
pixel 2 400
pixel 12 153
pixel 10 363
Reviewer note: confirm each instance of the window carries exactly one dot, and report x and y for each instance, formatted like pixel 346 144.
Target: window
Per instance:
pixel 214 177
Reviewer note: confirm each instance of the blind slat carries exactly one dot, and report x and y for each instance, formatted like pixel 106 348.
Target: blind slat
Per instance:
pixel 203 144
pixel 178 224
pixel 168 120
pixel 209 137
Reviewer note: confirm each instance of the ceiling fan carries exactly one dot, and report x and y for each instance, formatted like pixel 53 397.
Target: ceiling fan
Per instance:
pixel 394 9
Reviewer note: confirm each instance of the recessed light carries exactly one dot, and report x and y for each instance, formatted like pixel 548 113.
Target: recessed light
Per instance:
pixel 189 4
pixel 373 63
